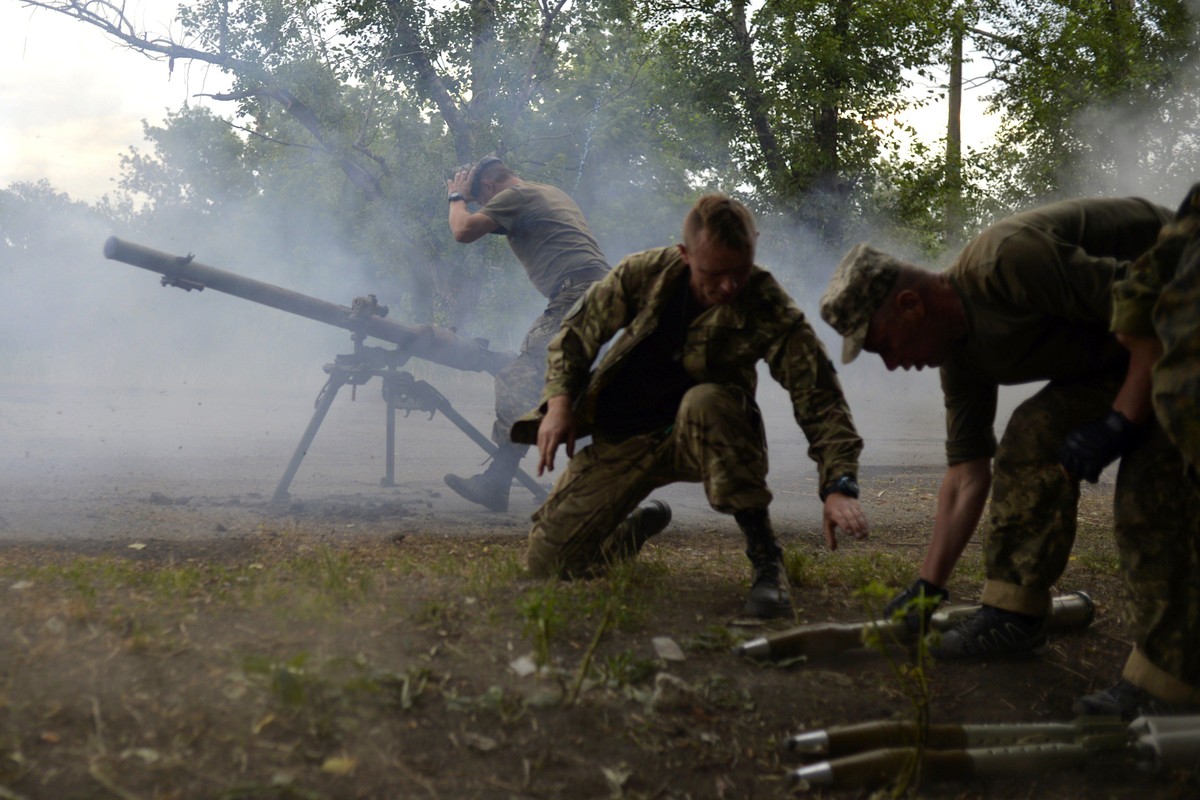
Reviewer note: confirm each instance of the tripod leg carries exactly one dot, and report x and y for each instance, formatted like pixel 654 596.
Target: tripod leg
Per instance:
pixel 389 478
pixel 473 433
pixel 336 381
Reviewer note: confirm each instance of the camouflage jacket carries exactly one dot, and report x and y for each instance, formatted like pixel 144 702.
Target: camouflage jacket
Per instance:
pixel 724 345
pixel 1160 297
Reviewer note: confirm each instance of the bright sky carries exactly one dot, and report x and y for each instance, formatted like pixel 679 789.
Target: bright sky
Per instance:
pixel 72 101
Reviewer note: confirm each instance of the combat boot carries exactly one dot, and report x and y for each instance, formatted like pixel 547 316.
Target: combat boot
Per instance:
pixel 646 521
pixel 1127 701
pixel 991 631
pixel 491 487
pixel 769 596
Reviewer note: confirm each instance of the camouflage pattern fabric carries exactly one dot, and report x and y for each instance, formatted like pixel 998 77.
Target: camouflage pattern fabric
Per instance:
pixel 1177 373
pixel 717 440
pixel 862 281
pixel 1157 513
pixel 1158 535
pixel 519 385
pixel 723 346
pixel 1032 519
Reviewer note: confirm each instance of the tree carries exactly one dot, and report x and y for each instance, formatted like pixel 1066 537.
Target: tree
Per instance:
pixel 1096 95
pixel 390 93
pixel 805 90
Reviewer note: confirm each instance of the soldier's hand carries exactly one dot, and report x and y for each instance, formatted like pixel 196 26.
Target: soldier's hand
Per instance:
pixel 461 183
pixel 1094 445
pixel 845 513
pixel 557 427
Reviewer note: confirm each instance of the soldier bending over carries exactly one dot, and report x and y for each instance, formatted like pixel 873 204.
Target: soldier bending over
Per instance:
pixel 1027 300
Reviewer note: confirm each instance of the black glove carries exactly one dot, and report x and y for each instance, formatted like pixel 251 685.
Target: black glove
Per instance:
pixel 1094 445
pixel 934 596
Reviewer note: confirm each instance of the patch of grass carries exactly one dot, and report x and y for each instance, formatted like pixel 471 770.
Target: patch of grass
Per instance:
pixel 436 612
pixel 334 573
pixel 622 598
pixel 542 608
pixel 1105 563
pixel 494 568
pixel 626 668
pixel 848 571
pixel 93 581
pixel 715 639
pixel 508 706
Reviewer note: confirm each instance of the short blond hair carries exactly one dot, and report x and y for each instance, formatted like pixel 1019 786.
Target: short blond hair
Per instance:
pixel 728 222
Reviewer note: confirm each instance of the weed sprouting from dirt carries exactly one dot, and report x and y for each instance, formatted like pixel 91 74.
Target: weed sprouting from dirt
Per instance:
pixel 542 610
pixel 911 675
pixel 620 599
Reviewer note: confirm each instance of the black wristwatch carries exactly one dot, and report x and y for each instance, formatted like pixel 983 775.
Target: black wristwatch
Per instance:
pixel 455 196
pixel 844 485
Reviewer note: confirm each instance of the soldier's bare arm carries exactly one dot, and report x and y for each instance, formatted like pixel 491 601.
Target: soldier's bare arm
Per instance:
pixel 465 225
pixel 961 499
pixel 1133 400
pixel 557 427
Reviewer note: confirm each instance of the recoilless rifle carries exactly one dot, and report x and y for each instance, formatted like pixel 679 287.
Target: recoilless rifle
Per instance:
pixel 365 318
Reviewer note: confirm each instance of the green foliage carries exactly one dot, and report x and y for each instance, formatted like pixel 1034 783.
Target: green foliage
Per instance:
pixel 844 570
pixel 330 155
pixel 627 669
pixel 798 91
pixel 619 600
pixel 1092 93
pixel 542 610
pixel 912 675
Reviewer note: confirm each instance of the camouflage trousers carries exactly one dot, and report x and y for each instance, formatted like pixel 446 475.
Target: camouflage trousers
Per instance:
pixel 717 440
pixel 1177 373
pixel 519 385
pixel 1032 520
pixel 1157 519
pixel 1158 506
pixel 1157 514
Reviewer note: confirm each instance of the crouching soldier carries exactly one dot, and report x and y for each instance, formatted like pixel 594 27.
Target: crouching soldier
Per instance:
pixel 673 400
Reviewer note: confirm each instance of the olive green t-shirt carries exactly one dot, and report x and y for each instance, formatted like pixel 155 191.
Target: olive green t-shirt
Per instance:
pixel 547 233
pixel 1037 292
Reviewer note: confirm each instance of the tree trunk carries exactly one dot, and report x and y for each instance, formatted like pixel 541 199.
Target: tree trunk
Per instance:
pixel 954 187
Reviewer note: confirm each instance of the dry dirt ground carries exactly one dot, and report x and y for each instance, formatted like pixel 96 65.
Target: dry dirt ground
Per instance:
pixel 166 632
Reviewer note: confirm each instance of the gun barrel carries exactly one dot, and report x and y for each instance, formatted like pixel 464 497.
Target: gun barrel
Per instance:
pixel 428 342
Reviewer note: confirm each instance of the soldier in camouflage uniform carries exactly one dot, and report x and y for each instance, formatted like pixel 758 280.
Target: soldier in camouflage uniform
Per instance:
pixel 551 239
pixel 673 399
pixel 1027 300
pixel 1157 509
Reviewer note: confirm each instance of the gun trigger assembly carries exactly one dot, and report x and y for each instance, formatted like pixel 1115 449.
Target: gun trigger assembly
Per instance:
pixel 181 283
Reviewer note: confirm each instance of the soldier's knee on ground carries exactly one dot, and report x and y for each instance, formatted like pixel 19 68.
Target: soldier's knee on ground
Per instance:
pixel 542 559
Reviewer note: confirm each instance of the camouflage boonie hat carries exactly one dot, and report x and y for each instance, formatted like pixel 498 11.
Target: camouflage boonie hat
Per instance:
pixel 860 283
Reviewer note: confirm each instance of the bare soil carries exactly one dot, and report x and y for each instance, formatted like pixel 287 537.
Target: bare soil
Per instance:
pixel 167 632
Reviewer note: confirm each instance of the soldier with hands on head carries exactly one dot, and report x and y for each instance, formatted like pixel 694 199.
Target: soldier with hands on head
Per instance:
pixel 552 240
pixel 673 399
pixel 1156 316
pixel 1028 300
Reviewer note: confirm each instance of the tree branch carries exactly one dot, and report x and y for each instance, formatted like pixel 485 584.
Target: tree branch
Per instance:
pixel 110 18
